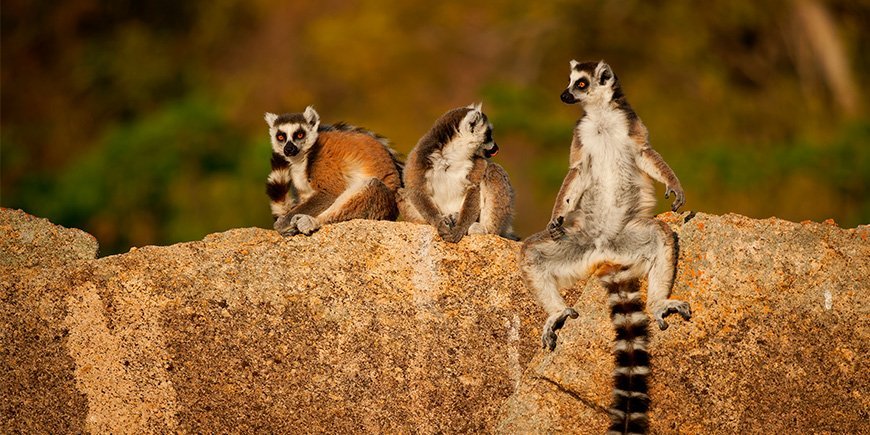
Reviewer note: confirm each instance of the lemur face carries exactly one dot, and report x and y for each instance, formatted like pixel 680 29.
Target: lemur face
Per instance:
pixel 477 128
pixel 590 83
pixel 293 134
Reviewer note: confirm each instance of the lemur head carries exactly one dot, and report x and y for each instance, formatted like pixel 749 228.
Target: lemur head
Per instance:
pixel 476 131
pixel 591 83
pixel 293 133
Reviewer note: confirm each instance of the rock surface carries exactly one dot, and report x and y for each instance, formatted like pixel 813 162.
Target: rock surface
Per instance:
pixel 365 327
pixel 378 327
pixel 28 241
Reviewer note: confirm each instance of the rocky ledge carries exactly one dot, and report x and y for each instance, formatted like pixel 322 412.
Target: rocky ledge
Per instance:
pixel 379 327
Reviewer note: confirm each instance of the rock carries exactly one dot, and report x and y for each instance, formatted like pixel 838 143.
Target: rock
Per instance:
pixel 29 241
pixel 364 327
pixel 778 342
pixel 379 327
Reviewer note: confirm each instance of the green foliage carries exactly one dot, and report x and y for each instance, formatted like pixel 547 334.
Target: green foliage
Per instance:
pixel 140 122
pixel 798 180
pixel 175 175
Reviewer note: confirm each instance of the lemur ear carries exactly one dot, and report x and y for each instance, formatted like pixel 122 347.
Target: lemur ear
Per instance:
pixel 472 120
pixel 603 72
pixel 311 115
pixel 270 118
pixel 574 63
pixel 475 106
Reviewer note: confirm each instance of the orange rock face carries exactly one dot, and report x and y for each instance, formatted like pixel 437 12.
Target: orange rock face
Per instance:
pixel 379 327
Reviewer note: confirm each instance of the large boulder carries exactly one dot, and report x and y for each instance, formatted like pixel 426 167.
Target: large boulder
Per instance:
pixel 381 327
pixel 364 327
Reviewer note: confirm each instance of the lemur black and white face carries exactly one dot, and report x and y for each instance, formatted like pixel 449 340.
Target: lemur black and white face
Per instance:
pixel 477 132
pixel 591 83
pixel 293 134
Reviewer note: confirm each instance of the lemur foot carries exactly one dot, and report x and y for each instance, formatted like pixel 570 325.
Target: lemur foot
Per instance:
pixel 555 228
pixel 286 226
pixel 477 228
pixel 553 324
pixel 664 308
pixel 305 224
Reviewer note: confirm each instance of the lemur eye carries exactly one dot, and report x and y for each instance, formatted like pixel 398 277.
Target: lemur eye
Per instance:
pixel 582 83
pixel 299 134
pixel 280 137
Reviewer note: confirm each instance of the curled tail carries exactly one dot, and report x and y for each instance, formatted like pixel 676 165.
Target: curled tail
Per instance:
pixel 278 186
pixel 630 395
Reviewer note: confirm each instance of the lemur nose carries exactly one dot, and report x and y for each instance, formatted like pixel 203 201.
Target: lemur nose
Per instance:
pixel 567 98
pixel 492 151
pixel 290 150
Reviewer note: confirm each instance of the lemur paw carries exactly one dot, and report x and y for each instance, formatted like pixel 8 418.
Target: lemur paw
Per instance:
pixel 679 196
pixel 285 226
pixel 452 236
pixel 664 308
pixel 554 323
pixel 555 228
pixel 306 224
pixel 445 229
pixel 477 228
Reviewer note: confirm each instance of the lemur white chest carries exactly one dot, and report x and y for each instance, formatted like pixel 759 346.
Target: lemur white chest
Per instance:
pixel 448 178
pixel 606 142
pixel 299 178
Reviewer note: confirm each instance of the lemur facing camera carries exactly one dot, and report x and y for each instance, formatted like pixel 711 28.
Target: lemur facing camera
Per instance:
pixel 602 225
pixel 450 183
pixel 323 174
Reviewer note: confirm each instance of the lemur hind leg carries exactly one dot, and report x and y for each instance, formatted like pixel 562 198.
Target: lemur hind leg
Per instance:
pixel 406 207
pixel 654 242
pixel 496 204
pixel 548 264
pixel 370 200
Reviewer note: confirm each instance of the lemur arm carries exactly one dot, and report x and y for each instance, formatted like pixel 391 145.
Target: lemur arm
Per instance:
pixel 564 197
pixel 567 197
pixel 415 182
pixel 470 211
pixel 424 205
pixel 565 193
pixel 314 205
pixel 651 162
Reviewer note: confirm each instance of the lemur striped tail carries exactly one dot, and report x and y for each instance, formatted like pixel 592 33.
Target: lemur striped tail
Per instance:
pixel 278 185
pixel 630 395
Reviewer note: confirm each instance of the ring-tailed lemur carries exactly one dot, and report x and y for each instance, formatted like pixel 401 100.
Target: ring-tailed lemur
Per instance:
pixel 323 174
pixel 602 225
pixel 450 183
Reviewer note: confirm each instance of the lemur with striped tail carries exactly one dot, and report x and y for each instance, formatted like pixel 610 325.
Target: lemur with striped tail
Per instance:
pixel 602 225
pixel 323 174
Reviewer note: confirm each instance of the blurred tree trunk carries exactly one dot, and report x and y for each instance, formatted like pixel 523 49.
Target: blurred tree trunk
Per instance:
pixel 819 50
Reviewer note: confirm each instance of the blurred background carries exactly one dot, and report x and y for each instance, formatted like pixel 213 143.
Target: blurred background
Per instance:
pixel 142 122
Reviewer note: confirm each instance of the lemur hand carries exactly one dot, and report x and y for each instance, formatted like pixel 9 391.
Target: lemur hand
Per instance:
pixel 679 196
pixel 445 227
pixel 555 228
pixel 306 224
pixel 286 226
